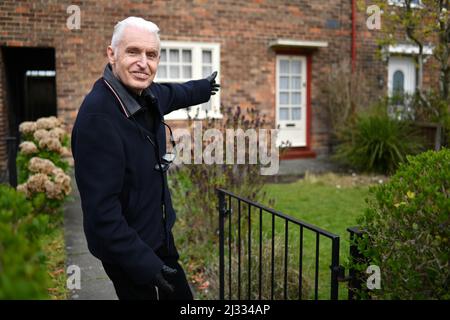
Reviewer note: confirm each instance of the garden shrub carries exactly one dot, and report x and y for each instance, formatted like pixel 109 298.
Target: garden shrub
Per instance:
pixel 407 230
pixel 375 142
pixel 194 186
pixel 22 263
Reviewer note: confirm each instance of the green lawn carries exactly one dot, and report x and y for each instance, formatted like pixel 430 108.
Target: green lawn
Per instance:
pixel 330 202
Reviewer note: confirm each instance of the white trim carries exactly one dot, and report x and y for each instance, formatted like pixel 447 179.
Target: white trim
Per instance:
pixel 40 73
pixel 401 3
pixel 409 49
pixel 299 128
pixel 196 49
pixel 298 43
pixel 406 66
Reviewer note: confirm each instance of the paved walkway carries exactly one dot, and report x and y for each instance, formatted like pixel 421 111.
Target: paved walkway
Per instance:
pixel 95 285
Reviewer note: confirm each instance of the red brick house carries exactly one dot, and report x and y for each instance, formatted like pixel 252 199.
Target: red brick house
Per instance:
pixel 273 55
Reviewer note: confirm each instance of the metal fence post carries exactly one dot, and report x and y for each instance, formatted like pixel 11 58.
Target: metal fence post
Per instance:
pixel 335 269
pixel 222 212
pixel 12 153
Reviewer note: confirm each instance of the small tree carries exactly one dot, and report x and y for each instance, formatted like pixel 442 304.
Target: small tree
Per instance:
pixel 423 24
pixel 345 94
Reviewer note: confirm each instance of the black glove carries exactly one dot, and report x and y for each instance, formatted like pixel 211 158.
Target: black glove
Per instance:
pixel 160 279
pixel 212 80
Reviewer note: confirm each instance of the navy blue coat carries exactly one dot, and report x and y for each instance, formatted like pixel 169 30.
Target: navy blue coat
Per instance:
pixel 121 193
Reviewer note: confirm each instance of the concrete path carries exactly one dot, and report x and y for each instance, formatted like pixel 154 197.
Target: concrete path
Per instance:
pixel 95 284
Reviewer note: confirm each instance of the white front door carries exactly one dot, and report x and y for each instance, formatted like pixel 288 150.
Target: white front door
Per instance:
pixel 291 100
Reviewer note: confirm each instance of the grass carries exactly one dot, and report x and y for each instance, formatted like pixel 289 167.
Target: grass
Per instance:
pixel 52 244
pixel 54 250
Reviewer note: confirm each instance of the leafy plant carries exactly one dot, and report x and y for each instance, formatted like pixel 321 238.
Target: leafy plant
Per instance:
pixel 407 230
pixel 22 263
pixel 375 142
pixel 194 185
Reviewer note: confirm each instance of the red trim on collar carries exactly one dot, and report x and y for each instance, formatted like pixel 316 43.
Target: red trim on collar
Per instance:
pixel 120 101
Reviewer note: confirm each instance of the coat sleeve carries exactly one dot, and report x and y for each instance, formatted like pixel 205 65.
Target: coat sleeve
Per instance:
pixel 173 96
pixel 99 172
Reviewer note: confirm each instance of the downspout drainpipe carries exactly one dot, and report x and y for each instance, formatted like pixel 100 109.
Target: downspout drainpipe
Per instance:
pixel 353 35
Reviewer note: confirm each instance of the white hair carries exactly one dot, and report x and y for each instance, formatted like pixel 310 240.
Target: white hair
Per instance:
pixel 133 22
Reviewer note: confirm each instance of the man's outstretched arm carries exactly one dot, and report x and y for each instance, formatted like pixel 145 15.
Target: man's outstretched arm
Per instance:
pixel 174 96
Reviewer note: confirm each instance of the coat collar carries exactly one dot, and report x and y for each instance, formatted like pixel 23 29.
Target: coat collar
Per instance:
pixel 127 102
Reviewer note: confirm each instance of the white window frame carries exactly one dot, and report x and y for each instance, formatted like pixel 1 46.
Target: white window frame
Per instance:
pixel 196 49
pixel 401 3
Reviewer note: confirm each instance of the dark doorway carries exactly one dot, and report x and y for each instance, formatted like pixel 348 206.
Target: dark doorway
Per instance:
pixel 30 85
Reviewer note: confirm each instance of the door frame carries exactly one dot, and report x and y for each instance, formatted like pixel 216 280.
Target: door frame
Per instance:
pixel 305 103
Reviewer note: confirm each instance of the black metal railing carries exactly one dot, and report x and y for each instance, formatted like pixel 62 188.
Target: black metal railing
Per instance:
pixel 355 277
pixel 237 244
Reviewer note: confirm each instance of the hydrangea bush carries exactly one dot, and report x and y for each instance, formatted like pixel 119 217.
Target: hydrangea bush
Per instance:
pixel 44 163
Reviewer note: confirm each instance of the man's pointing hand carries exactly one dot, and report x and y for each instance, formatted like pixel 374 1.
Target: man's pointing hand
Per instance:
pixel 212 80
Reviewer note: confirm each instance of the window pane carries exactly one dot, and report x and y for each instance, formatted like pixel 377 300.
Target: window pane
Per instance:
pixel 187 72
pixel 284 98
pixel 399 82
pixel 206 71
pixel 174 55
pixel 207 106
pixel 207 56
pixel 163 55
pixel 284 83
pixel 295 83
pixel 174 72
pixel 162 72
pixel 296 67
pixel 296 98
pixel 187 56
pixel 296 115
pixel 284 66
pixel 284 113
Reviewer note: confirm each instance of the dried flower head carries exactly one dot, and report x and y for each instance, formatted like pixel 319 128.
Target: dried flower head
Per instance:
pixel 41 134
pixel 57 133
pixel 53 191
pixel 36 182
pixel 62 180
pixel 51 144
pixel 28 147
pixel 24 189
pixel 39 165
pixel 65 152
pixel 48 123
pixel 27 127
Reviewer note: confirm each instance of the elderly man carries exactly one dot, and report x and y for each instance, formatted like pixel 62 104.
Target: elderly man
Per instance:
pixel 119 148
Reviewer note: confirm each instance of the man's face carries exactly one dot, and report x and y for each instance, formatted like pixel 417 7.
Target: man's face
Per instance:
pixel 136 58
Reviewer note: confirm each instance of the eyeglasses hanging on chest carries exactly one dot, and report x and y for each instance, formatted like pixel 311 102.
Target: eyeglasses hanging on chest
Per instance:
pixel 168 158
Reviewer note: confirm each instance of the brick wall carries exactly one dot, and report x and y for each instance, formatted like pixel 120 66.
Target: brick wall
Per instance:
pixel 243 29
